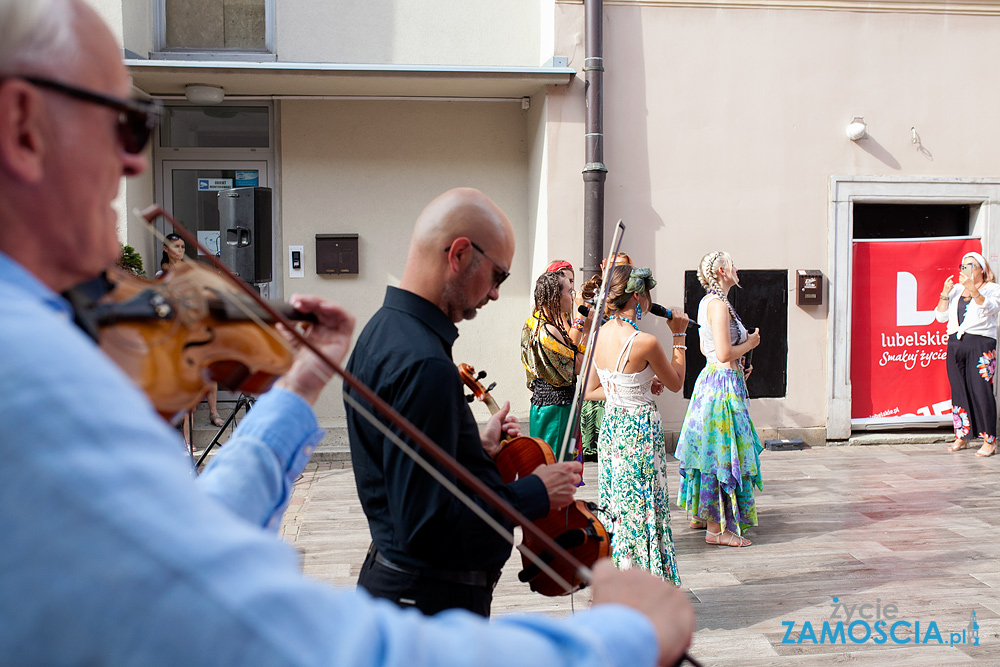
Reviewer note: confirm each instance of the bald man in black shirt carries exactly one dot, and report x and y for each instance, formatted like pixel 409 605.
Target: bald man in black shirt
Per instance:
pixel 429 550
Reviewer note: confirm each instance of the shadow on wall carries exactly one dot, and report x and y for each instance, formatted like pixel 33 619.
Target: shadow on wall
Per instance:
pixel 869 145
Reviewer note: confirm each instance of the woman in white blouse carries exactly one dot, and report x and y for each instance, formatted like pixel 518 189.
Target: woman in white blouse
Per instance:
pixel 971 308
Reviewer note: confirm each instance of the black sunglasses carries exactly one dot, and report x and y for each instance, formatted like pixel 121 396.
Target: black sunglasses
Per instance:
pixel 500 274
pixel 136 118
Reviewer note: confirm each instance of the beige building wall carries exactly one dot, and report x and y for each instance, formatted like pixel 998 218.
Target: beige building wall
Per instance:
pixel 111 11
pixel 370 168
pixel 724 126
pixel 411 32
pixel 134 192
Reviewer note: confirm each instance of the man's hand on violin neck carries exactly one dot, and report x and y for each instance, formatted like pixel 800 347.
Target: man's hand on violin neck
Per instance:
pixel 560 480
pixel 500 426
pixel 331 334
pixel 665 605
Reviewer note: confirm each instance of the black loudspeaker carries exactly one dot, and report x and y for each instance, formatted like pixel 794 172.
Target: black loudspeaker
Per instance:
pixel 245 232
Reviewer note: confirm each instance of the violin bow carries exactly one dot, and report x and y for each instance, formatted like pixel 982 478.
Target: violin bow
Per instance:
pixel 569 443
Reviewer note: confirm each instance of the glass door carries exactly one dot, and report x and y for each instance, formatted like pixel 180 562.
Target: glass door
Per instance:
pixel 191 193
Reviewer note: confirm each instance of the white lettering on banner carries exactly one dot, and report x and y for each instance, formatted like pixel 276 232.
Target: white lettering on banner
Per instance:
pixel 911 359
pixel 941 408
pixel 907 314
pixel 897 339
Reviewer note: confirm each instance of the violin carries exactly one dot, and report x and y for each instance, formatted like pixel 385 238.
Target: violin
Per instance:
pixel 177 335
pixel 575 527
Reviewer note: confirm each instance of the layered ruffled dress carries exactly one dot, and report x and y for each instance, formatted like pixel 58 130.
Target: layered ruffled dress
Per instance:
pixel 718 448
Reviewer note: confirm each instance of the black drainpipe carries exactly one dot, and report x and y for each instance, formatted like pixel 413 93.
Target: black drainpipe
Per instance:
pixel 594 173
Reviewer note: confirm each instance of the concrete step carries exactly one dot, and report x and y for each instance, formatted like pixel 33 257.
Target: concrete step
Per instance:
pixel 334 446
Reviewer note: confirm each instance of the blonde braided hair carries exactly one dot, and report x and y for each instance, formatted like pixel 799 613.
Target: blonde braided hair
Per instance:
pixel 708 276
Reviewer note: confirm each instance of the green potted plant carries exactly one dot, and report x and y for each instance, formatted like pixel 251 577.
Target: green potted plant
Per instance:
pixel 131 261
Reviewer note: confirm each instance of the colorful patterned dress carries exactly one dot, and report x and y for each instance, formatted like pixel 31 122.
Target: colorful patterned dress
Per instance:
pixel 632 465
pixel 550 366
pixel 718 448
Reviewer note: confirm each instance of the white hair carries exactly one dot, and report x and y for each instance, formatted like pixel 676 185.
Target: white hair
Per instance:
pixel 36 35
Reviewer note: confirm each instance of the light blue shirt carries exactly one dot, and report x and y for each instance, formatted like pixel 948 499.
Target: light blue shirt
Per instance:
pixel 113 553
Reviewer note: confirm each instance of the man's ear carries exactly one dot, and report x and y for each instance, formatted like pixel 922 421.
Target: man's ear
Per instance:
pixel 22 144
pixel 458 253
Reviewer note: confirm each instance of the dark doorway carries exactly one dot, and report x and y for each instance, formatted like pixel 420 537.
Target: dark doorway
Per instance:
pixel 761 301
pixel 911 221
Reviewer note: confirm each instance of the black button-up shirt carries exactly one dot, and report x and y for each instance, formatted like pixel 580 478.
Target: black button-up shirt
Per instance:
pixel 404 355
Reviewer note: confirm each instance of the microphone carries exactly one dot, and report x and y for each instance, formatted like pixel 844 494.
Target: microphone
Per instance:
pixel 660 311
pixel 583 310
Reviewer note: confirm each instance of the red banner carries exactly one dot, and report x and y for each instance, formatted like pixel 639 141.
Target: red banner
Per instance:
pixel 897 346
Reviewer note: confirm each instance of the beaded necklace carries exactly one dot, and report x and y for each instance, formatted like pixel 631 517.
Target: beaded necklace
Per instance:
pixel 625 319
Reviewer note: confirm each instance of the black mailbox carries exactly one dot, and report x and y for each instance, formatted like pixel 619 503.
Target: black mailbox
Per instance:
pixel 809 287
pixel 336 254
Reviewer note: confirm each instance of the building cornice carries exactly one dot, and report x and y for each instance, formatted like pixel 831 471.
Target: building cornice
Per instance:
pixel 966 7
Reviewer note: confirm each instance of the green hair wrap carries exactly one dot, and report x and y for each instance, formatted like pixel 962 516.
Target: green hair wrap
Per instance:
pixel 640 281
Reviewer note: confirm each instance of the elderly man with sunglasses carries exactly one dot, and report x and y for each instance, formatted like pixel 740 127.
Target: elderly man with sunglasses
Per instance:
pixel 113 552
pixel 429 550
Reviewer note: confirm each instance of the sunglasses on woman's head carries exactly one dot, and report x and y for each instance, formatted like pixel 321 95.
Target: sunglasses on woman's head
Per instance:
pixel 136 118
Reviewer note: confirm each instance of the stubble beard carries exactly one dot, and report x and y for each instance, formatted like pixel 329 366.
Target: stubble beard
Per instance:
pixel 455 298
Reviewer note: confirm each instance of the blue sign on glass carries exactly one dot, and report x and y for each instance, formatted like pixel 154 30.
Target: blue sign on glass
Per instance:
pixel 246 179
pixel 210 184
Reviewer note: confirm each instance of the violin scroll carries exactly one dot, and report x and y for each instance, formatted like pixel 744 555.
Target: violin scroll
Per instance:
pixel 471 379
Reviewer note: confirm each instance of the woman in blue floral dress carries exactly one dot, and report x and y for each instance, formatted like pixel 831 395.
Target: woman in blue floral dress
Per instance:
pixel 719 450
pixel 632 468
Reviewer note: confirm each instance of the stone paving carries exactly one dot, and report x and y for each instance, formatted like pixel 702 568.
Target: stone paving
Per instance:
pixel 910 525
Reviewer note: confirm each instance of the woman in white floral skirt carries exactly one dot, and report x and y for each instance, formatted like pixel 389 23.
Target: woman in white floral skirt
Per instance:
pixel 631 367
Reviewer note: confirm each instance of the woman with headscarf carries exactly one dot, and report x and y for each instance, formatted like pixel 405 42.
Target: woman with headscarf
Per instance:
pixel 632 463
pixel 971 308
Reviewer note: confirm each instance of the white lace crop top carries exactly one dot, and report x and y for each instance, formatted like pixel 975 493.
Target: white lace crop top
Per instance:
pixel 737 332
pixel 627 390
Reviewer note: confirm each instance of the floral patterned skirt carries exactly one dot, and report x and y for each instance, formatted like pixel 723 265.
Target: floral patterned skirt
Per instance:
pixel 632 485
pixel 719 452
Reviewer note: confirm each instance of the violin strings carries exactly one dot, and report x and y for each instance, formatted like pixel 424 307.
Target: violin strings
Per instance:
pixel 458 493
